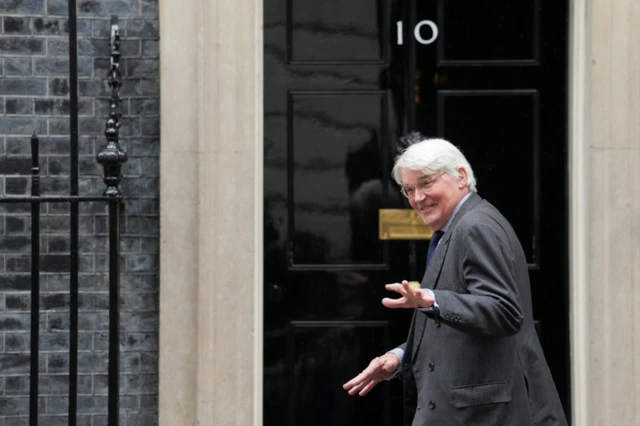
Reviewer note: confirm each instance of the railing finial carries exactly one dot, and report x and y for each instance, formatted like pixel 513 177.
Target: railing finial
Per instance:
pixel 112 156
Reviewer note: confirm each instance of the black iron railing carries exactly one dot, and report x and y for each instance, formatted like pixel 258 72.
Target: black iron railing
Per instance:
pixel 111 158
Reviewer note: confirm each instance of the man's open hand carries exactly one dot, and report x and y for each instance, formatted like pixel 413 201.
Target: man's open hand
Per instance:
pixel 381 368
pixel 411 297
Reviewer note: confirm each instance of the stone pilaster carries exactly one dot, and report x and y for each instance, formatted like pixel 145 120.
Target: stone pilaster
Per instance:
pixel 605 248
pixel 211 191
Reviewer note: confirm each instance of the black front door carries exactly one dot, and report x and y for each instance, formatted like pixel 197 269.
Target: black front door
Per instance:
pixel 343 81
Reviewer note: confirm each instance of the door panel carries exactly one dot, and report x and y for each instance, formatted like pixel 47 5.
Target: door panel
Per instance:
pixel 322 354
pixel 337 31
pixel 332 102
pixel 496 148
pixel 488 33
pixel 339 91
pixel 336 152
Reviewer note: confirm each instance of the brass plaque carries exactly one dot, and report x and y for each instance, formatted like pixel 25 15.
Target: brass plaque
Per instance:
pixel 402 224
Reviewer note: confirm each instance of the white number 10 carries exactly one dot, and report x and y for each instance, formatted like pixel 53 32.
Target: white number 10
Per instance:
pixel 416 32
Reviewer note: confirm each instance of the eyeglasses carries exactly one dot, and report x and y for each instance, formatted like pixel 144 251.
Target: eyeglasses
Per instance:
pixel 424 185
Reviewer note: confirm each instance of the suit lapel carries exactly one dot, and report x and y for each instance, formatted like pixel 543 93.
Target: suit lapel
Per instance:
pixel 430 278
pixel 431 275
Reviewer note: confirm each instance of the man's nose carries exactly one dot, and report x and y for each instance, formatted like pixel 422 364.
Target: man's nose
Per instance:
pixel 418 195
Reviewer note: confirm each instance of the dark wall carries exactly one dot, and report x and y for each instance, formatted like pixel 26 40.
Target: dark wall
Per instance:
pixel 34 95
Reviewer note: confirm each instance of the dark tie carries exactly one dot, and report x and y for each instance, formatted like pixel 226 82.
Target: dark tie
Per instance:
pixel 433 244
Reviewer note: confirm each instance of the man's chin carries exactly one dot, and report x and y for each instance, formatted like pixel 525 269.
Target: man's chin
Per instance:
pixel 431 221
pixel 427 219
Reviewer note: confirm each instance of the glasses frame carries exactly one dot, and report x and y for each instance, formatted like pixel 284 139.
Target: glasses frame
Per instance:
pixel 424 188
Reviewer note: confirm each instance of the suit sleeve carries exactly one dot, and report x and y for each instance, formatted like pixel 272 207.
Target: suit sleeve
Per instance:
pixel 488 304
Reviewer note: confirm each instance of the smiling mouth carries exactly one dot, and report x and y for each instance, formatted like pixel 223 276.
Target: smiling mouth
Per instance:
pixel 428 207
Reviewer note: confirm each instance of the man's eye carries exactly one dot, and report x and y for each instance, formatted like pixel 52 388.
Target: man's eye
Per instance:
pixel 425 184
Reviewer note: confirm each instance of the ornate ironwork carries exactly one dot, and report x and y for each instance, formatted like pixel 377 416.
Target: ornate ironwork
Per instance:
pixel 112 157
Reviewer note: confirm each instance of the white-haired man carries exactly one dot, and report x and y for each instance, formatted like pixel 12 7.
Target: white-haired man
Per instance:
pixel 472 356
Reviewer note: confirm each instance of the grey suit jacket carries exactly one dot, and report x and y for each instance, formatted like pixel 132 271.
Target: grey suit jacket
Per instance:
pixel 476 360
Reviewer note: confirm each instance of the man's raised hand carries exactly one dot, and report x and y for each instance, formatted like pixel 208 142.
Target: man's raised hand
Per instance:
pixel 411 297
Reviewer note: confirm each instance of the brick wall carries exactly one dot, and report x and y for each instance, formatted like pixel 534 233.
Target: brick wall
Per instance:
pixel 34 96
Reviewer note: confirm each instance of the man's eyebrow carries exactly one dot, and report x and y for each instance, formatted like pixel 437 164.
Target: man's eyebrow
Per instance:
pixel 425 177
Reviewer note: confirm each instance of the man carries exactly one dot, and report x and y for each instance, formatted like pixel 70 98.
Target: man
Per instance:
pixel 472 356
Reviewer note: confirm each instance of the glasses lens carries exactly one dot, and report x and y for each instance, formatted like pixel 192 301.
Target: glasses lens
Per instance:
pixel 425 185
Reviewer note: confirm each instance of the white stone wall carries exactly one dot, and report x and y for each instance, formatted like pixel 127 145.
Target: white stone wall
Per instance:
pixel 211 212
pixel 606 212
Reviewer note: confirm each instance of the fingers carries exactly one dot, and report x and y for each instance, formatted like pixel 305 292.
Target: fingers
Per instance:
pixel 395 303
pixel 362 387
pixel 403 288
pixel 409 299
pixel 368 387
pixel 355 382
pixel 356 389
pixel 365 381
pixel 397 287
pixel 363 377
pixel 408 290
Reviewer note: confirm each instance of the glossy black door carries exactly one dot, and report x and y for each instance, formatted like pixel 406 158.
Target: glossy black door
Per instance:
pixel 341 85
pixel 334 104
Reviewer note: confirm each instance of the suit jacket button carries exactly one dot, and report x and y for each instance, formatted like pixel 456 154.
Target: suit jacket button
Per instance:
pixel 432 405
pixel 431 366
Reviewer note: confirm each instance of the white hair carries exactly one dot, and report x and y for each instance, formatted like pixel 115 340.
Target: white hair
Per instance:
pixel 431 156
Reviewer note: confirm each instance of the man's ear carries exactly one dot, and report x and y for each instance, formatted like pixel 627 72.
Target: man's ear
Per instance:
pixel 462 180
